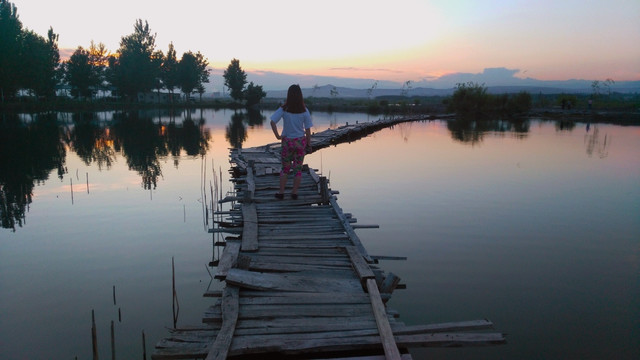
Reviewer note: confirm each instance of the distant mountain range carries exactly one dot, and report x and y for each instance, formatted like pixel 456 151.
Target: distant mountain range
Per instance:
pixel 346 92
pixel 497 80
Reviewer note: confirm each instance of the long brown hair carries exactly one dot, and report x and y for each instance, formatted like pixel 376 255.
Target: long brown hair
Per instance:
pixel 295 102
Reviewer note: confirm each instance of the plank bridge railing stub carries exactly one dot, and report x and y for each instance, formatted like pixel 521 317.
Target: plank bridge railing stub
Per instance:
pixel 297 278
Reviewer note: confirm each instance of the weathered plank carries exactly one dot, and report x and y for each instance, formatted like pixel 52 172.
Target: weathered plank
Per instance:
pixel 292 311
pixel 251 184
pixel 254 345
pixel 360 266
pixel 230 308
pixel 250 227
pixel 266 281
pixel 352 234
pixel 228 259
pixel 386 334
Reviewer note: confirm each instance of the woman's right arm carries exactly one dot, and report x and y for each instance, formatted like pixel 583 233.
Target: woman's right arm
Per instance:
pixel 274 127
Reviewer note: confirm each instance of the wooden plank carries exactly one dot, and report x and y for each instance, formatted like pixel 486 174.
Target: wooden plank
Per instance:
pixel 251 185
pixel 230 308
pixel 370 357
pixel 297 311
pixel 359 265
pixel 441 327
pixel 228 259
pixel 309 324
pixel 306 236
pixel 306 298
pixel 253 345
pixel 266 281
pixel 296 268
pixel 385 257
pixel 352 234
pixel 391 351
pixel 249 227
pixel 389 284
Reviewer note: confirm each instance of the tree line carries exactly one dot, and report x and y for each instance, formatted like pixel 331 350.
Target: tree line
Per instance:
pixel 31 63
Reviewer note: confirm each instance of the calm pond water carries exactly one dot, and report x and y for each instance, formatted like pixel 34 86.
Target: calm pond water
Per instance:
pixel 533 225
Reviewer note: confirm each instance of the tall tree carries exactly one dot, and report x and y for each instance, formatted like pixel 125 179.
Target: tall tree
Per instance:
pixel 254 94
pixel 170 70
pixel 84 71
pixel 34 54
pixel 136 67
pixel 53 66
pixel 235 79
pixel 10 41
pixel 79 73
pixel 156 61
pixel 193 72
pixel 98 58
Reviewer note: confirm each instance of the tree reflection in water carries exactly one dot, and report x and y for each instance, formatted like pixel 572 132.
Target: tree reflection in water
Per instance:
pixel 91 141
pixel 30 150
pixel 236 130
pixel 472 131
pixel 28 154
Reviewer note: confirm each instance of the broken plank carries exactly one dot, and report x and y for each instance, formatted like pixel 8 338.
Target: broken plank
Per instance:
pixel 230 309
pixel 267 281
pixel 228 259
pixel 250 227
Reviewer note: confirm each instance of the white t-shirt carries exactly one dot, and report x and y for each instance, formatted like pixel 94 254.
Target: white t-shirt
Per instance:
pixel 294 125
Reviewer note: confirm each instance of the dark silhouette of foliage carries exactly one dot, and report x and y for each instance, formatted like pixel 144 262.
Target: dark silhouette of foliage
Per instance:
pixel 169 70
pixel 192 72
pixel 469 99
pixel 39 59
pixel 10 42
pixel 235 79
pixel 254 94
pixel 136 67
pixel 30 62
pixel 472 100
pixel 84 70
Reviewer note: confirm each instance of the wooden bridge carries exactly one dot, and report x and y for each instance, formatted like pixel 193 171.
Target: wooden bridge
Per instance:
pixel 298 283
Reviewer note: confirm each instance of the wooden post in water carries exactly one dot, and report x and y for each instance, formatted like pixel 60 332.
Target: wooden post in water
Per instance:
pixel 94 339
pixel 324 190
pixel 113 343
pixel 71 181
pixel 174 299
pixel 87 183
pixel 144 347
pixel 114 294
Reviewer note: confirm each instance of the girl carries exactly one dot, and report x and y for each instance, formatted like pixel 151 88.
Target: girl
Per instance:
pixel 296 137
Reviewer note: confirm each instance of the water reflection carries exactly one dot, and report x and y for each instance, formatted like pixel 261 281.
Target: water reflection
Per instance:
pixel 28 154
pixel 236 130
pixel 472 131
pixel 91 141
pixel 595 144
pixel 565 125
pixel 236 133
pixel 31 147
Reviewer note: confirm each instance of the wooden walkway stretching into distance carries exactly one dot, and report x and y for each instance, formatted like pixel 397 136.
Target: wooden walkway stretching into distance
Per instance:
pixel 298 281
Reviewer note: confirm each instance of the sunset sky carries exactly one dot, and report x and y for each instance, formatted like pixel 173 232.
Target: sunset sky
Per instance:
pixel 396 40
